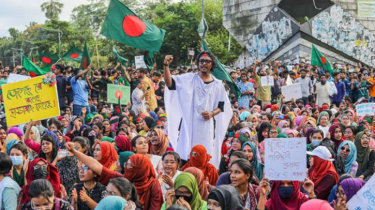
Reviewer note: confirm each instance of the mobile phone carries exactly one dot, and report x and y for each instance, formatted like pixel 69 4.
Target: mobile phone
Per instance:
pixel 63 153
pixel 148 88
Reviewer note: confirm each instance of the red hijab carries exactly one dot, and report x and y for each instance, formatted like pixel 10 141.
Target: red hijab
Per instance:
pixel 321 169
pixel 123 143
pixel 201 162
pixel 332 130
pixel 202 184
pixel 141 174
pixel 53 177
pixel 294 202
pixel 109 154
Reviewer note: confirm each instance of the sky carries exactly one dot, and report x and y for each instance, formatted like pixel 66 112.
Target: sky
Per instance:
pixel 19 13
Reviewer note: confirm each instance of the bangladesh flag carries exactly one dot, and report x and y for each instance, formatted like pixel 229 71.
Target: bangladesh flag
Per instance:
pixel 123 25
pixel 74 54
pixel 48 58
pixel 221 73
pixel 317 58
pixel 32 68
pixel 149 59
pixel 122 60
pixel 85 61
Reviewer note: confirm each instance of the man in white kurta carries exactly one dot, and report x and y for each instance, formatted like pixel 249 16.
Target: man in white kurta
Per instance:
pixel 198 109
pixel 322 94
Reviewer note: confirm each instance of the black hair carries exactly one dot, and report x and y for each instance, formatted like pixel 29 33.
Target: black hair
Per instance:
pixel 5 163
pixel 243 74
pixel 125 187
pixel 212 56
pixel 76 71
pixel 83 141
pixel 245 166
pixel 314 110
pixel 175 155
pixel 317 131
pixel 353 128
pixel 335 74
pixel 292 74
pixel 100 126
pixel 238 154
pixel 268 115
pixel 41 187
pixel 322 75
pixel 134 140
pixel 3 126
pixel 57 123
pixel 125 130
pixel 103 72
pixel 55 146
pixel 21 147
pixel 142 70
pixel 343 177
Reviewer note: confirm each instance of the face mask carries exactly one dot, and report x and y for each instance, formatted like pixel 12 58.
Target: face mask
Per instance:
pixel 286 192
pixel 316 142
pixel 16 160
pixel 186 198
pixel 40 173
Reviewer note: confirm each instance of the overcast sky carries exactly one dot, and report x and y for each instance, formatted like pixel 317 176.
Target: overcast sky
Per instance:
pixel 19 13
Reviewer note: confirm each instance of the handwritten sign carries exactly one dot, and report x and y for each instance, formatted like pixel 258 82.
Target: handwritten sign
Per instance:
pixel 365 197
pixel 30 99
pixel 292 91
pixel 267 81
pixel 116 92
pixel 140 62
pixel 365 109
pixel 285 159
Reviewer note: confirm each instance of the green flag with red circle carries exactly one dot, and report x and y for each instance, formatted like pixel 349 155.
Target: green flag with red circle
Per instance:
pixel 124 26
pixel 317 58
pixel 73 54
pixel 48 58
pixel 85 61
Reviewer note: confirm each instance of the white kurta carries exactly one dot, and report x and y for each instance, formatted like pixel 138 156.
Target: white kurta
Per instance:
pixel 322 95
pixel 185 105
pixel 137 102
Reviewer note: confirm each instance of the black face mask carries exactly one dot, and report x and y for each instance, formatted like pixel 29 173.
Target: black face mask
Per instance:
pixel 40 173
pixel 186 198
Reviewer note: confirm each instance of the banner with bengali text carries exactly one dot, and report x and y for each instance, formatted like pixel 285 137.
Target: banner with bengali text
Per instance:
pixel 30 100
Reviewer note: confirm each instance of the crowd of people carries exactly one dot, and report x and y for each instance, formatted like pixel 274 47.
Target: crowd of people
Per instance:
pixel 185 141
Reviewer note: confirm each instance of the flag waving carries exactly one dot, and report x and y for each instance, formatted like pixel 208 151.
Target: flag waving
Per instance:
pixel 121 59
pixel 32 68
pixel 123 25
pixel 48 58
pixel 85 61
pixel 317 58
pixel 74 54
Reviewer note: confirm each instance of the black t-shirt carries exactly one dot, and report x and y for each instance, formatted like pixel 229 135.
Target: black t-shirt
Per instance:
pixel 61 86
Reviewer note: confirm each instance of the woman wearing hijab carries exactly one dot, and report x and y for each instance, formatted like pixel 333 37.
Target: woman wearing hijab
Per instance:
pixel 159 142
pixel 250 150
pixel 123 143
pixel 316 204
pixel 347 189
pixel 225 197
pixel 336 134
pixel 41 169
pixel 202 183
pixel 285 195
pixel 123 158
pixel 236 145
pixel 185 194
pixel 140 172
pixel 322 172
pixel 112 203
pixel 106 154
pixel 348 152
pixel 199 158
pixel 244 115
pixel 365 155
pixel 323 122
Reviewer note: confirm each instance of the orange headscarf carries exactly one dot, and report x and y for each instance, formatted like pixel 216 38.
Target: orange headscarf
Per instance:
pixel 160 148
pixel 109 154
pixel 202 184
pixel 201 162
pixel 141 174
pixel 274 108
pixel 321 169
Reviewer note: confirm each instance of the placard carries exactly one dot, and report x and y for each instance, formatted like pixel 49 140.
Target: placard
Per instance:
pixel 365 109
pixel 365 197
pixel 140 62
pixel 267 81
pixel 366 8
pixel 16 78
pixel 292 91
pixel 30 100
pixel 116 92
pixel 285 159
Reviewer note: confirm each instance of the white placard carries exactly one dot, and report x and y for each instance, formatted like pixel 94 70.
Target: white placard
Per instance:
pixel 16 78
pixel 292 91
pixel 267 81
pixel 140 62
pixel 365 109
pixel 285 159
pixel 365 197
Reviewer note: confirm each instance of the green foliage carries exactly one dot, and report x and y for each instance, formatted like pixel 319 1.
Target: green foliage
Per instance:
pixel 52 9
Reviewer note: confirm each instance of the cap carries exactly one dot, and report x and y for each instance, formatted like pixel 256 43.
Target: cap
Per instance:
pixel 321 152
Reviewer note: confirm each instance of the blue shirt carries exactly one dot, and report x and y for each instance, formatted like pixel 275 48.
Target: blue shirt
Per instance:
pixel 244 100
pixel 80 92
pixel 341 92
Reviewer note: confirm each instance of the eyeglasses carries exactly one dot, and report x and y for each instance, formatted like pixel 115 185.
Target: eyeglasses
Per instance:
pixel 341 193
pixel 46 207
pixel 205 61
pixel 40 166
pixel 274 132
pixel 348 132
pixel 84 168
pixel 343 149
pixel 106 193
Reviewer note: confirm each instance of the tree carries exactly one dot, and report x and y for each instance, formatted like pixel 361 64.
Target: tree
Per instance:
pixel 52 9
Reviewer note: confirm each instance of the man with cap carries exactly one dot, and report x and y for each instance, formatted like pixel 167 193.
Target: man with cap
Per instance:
pixel 159 88
pixel 80 92
pixel 306 86
pixel 198 108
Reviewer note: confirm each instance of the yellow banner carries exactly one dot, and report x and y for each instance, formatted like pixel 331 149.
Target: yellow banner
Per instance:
pixel 30 100
pixel 366 8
